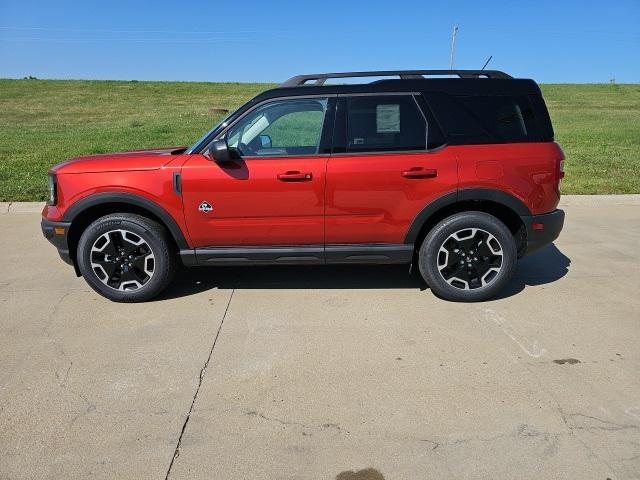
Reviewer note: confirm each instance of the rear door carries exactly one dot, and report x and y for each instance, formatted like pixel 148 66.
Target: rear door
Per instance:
pixel 273 193
pixel 389 161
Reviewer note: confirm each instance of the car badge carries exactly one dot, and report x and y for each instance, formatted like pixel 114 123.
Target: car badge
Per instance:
pixel 205 207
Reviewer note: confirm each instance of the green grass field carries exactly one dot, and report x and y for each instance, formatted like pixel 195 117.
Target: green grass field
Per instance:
pixel 44 122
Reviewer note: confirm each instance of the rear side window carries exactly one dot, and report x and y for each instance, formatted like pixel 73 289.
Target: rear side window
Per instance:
pixel 384 123
pixel 508 118
pixel 486 118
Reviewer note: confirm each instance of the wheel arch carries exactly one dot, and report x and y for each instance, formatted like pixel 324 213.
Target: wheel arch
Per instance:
pixel 82 213
pixel 504 206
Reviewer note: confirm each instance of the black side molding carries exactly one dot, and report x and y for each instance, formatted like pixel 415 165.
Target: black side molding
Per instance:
pixel 497 196
pixel 123 197
pixel 465 194
pixel 288 255
pixel 424 214
pixel 369 254
pixel 299 255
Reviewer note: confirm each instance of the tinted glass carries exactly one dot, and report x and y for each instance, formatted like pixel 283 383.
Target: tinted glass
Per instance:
pixel 508 118
pixel 384 123
pixel 280 128
pixel 458 123
pixel 486 118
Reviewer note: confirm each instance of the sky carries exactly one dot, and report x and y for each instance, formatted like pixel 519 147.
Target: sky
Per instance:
pixel 249 41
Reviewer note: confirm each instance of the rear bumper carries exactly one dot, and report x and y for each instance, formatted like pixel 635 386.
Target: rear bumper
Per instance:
pixel 542 229
pixel 52 232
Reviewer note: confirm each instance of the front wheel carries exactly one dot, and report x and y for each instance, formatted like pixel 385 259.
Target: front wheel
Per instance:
pixel 468 257
pixel 126 257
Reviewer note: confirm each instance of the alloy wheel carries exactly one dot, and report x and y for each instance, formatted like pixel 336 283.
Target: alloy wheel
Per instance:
pixel 122 260
pixel 470 258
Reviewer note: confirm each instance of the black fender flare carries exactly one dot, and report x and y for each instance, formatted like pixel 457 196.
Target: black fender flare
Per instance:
pixel 123 197
pixel 465 194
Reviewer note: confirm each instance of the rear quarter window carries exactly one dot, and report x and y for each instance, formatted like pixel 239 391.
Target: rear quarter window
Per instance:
pixel 478 119
pixel 507 118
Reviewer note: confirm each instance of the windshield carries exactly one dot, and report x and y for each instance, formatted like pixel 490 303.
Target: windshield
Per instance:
pixel 221 124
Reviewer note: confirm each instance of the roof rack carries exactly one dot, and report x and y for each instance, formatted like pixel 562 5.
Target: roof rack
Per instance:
pixel 319 78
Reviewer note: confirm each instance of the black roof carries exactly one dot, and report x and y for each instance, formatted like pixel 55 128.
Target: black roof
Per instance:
pixel 469 82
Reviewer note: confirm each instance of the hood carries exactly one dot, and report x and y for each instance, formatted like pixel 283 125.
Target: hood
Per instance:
pixel 151 159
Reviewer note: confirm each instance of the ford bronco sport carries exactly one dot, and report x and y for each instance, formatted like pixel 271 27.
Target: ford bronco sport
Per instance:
pixel 458 176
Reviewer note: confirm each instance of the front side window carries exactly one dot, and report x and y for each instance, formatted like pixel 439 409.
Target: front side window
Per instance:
pixel 280 128
pixel 384 123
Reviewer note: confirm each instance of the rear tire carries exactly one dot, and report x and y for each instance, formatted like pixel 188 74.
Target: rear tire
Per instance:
pixel 126 257
pixel 468 257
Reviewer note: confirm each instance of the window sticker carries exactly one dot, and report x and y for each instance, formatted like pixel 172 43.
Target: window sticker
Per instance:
pixel 388 118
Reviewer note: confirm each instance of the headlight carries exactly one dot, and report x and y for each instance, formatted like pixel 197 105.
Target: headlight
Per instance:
pixel 53 190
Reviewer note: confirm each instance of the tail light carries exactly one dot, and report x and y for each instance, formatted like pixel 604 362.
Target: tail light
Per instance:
pixel 559 168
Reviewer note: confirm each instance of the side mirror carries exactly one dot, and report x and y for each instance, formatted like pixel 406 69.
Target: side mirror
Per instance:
pixel 265 141
pixel 219 151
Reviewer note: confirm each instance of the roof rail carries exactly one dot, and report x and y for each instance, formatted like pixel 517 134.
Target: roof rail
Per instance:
pixel 319 78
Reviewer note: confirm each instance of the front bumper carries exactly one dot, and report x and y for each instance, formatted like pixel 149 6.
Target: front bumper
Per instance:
pixel 542 229
pixel 56 233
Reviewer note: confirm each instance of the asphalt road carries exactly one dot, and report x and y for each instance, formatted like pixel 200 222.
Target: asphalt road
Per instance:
pixel 352 373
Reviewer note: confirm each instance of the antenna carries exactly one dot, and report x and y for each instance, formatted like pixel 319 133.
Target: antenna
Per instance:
pixel 487 62
pixel 453 46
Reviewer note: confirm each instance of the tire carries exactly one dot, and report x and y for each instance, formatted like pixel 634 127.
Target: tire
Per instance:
pixel 146 268
pixel 468 257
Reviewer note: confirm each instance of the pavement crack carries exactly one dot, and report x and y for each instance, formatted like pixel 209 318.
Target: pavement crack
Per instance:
pixel 432 442
pixel 603 424
pixel 203 370
pixel 572 429
pixel 333 426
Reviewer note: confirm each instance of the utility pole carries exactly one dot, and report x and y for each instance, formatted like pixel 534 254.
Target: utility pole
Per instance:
pixel 453 46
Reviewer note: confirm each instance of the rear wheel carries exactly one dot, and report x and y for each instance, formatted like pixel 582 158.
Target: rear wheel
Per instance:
pixel 126 257
pixel 468 256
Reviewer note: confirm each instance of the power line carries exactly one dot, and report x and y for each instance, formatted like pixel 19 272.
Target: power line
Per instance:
pixel 105 30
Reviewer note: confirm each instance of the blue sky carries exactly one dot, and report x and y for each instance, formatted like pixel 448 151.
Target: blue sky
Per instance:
pixel 246 40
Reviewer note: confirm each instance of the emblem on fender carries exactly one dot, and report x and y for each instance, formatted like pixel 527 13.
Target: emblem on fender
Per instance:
pixel 205 207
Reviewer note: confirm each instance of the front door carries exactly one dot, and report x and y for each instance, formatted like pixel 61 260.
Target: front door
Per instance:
pixel 389 163
pixel 273 192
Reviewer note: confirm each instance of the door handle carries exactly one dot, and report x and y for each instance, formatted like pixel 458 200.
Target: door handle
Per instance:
pixel 419 172
pixel 295 176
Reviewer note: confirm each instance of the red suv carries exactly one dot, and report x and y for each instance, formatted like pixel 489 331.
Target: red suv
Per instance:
pixel 458 176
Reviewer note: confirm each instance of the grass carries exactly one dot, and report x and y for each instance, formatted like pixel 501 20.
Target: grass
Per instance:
pixel 598 127
pixel 44 122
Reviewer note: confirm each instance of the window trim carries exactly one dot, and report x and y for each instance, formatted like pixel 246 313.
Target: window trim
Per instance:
pixel 342 122
pixel 328 122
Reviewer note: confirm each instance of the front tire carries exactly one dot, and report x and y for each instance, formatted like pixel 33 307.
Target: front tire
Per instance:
pixel 468 257
pixel 126 257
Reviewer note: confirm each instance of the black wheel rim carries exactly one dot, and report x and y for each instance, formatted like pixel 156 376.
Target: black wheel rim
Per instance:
pixel 122 260
pixel 470 258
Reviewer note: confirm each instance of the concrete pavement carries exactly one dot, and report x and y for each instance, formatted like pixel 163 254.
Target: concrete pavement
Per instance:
pixel 354 373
